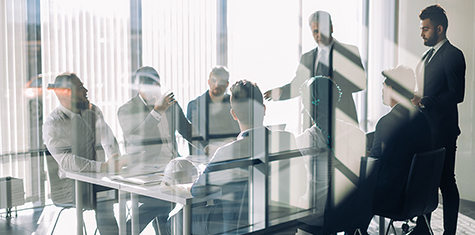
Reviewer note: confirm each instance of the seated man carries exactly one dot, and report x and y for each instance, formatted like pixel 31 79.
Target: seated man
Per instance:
pixel 329 137
pixel 149 122
pixel 73 133
pixel 400 134
pixel 209 112
pixel 232 183
pixel 151 118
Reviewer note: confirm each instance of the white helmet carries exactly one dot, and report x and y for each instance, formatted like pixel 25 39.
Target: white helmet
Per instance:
pixel 180 171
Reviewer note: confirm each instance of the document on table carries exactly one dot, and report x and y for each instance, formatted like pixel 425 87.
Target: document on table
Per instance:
pixel 141 179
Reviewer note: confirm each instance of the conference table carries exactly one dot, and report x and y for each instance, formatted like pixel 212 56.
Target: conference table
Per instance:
pixel 154 191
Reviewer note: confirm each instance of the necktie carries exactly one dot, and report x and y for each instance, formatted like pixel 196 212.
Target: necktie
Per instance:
pixel 428 56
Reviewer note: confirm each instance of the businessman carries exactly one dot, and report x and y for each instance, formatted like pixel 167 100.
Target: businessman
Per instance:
pixel 441 82
pixel 210 113
pixel 400 134
pixel 332 59
pixel 74 133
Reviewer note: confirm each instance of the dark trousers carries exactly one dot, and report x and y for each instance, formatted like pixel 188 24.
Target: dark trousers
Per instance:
pixel 448 187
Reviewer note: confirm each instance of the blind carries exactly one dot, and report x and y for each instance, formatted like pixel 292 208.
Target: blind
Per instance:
pixel 14 136
pixel 179 40
pixel 92 39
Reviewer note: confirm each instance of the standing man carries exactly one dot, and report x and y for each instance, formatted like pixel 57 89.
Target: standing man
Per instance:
pixel 73 133
pixel 332 59
pixel 441 83
pixel 210 112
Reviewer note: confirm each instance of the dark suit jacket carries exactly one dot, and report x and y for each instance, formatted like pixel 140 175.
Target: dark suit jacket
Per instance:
pixel 398 136
pixel 443 82
pixel 345 69
pixel 141 128
pixel 212 120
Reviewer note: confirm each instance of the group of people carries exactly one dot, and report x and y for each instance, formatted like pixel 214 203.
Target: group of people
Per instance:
pixel 227 127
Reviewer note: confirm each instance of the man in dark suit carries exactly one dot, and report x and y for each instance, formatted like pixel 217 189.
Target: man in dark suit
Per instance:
pixel 210 112
pixel 330 58
pixel 400 134
pixel 441 83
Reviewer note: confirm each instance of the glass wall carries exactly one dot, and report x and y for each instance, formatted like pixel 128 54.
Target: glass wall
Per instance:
pixel 180 46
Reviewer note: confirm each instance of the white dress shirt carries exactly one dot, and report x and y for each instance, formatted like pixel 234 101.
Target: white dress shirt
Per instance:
pixel 58 135
pixel 323 54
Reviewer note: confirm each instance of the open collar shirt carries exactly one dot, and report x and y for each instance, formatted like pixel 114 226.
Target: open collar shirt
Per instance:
pixel 58 137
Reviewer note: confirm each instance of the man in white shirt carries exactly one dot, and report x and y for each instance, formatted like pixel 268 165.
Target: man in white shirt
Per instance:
pixel 248 110
pixel 73 134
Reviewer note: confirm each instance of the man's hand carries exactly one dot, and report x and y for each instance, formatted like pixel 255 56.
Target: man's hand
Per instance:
pixel 273 94
pixel 114 163
pixel 416 101
pixel 163 103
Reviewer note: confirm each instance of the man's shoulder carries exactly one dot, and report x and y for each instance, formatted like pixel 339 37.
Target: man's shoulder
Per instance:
pixel 228 151
pixel 346 49
pixel 451 50
pixel 132 104
pixel 309 53
pixel 194 101
pixel 55 116
pixel 389 119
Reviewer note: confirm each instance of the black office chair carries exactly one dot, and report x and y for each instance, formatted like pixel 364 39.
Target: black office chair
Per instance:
pixel 421 193
pixel 62 197
pixel 355 211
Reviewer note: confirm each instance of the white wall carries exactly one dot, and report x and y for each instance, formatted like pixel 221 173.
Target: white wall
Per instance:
pixel 461 33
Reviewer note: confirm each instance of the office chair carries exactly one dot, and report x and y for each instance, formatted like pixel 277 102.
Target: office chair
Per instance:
pixel 60 196
pixel 355 211
pixel 421 192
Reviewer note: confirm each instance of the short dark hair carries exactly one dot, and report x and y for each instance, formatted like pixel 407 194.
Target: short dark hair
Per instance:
pixel 220 71
pixel 63 81
pixel 245 94
pixel 146 75
pixel 436 15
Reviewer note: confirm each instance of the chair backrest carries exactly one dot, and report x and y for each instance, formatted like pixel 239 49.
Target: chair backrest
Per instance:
pixel 62 190
pixel 421 195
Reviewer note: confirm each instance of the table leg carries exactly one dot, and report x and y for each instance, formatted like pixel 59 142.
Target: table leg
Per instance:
pixel 382 225
pixel 187 219
pixel 79 207
pixel 135 213
pixel 122 213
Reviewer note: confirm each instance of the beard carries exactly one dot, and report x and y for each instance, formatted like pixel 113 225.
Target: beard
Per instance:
pixel 218 91
pixel 432 40
pixel 82 105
